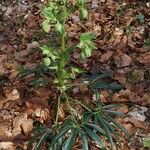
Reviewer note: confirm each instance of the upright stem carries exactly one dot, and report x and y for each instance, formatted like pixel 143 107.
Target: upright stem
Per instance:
pixel 70 108
pixel 57 113
pixel 62 61
pixel 63 26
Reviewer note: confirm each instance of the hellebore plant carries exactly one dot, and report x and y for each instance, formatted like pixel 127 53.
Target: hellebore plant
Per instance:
pixel 95 124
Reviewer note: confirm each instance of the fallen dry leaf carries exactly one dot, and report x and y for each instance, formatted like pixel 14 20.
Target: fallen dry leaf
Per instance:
pixel 139 124
pixel 144 58
pixel 20 123
pixel 42 113
pixel 130 128
pixel 14 95
pixel 7 146
pixel 27 126
pixel 138 113
pixel 125 60
pixel 118 32
pixel 5 132
pixel 106 56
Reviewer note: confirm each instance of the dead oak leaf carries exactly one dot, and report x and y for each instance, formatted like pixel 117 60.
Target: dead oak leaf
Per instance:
pixel 42 113
pixel 106 56
pixel 122 60
pixel 118 32
pixel 125 60
pixel 7 146
pixel 4 132
pixel 138 123
pixel 144 58
pixel 22 124
pixel 13 95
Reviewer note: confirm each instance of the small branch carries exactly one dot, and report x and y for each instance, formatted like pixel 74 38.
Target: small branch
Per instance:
pixel 75 100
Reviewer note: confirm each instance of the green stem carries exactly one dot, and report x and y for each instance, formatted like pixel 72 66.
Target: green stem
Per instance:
pixel 76 84
pixel 57 113
pixel 63 26
pixel 75 100
pixel 70 108
pixel 62 61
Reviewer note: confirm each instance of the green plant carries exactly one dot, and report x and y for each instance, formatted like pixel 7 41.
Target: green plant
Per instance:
pixel 140 17
pixel 96 123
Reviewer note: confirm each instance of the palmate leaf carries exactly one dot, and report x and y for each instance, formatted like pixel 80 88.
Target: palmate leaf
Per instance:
pixel 59 135
pixel 95 137
pixel 86 45
pixel 46 25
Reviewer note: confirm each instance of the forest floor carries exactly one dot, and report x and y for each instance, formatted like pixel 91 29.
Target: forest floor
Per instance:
pixel 122 28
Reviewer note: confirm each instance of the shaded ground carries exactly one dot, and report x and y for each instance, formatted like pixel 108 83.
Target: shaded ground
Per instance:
pixel 123 40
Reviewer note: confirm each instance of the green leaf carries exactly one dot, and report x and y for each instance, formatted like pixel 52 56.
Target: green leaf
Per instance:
pixel 116 86
pixel 118 126
pixel 114 112
pixel 95 137
pixel 59 135
pixel 95 78
pixel 91 45
pixel 70 140
pixel 87 116
pixel 84 13
pixel 140 17
pixel 47 61
pixel 87 36
pixel 84 142
pixel 101 85
pixel 46 26
pixel 147 42
pixel 39 82
pixel 86 45
pixel 34 138
pixel 60 142
pixel 107 127
pixel 58 27
pixel 80 2
pixel 97 128
pixel 41 141
pixel 110 106
pixel 50 52
pixel 146 142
